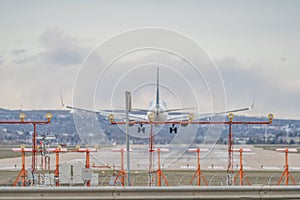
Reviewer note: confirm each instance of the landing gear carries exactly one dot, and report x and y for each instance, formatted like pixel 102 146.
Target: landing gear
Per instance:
pixel 173 129
pixel 141 129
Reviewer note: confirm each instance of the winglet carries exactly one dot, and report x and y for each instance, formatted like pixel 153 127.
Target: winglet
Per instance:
pixel 253 104
pixel 61 100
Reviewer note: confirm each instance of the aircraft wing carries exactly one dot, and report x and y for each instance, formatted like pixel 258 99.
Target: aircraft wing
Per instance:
pixel 138 117
pixel 100 112
pixel 119 115
pixel 199 116
pixel 82 109
pixel 205 115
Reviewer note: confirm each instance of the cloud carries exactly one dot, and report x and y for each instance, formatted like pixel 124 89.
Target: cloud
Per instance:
pixel 1 60
pixel 61 48
pixel 238 79
pixel 36 78
pixel 18 52
pixel 181 85
pixel 19 56
pixel 243 84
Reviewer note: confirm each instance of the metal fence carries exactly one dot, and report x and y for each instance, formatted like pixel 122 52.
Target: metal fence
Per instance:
pixel 174 178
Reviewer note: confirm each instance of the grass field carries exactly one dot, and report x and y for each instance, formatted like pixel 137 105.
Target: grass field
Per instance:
pixel 6 152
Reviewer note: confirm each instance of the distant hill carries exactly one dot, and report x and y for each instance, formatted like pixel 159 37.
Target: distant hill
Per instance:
pixel 66 132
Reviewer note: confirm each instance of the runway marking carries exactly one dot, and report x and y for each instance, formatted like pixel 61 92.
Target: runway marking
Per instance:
pixel 226 160
pixel 243 167
pixel 294 168
pixel 271 168
pixel 221 155
pixel 5 168
pixel 188 167
pixel 215 167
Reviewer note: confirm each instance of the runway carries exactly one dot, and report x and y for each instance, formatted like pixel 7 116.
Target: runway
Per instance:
pixel 216 159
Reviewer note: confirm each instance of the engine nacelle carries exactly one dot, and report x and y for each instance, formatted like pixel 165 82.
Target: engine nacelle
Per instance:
pixel 150 116
pixel 191 117
pixel 131 124
pixel 111 118
pixel 184 123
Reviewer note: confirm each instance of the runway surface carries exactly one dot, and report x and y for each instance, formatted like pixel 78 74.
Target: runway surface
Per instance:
pixel 216 159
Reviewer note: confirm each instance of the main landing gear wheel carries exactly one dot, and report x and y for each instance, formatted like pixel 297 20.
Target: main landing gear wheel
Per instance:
pixel 173 129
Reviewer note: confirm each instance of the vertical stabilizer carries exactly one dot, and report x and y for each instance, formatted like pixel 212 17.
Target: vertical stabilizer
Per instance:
pixel 157 88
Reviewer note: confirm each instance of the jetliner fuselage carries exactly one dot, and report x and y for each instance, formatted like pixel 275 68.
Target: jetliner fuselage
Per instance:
pixel 158 111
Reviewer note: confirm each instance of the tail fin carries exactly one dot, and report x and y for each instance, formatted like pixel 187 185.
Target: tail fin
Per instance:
pixel 157 88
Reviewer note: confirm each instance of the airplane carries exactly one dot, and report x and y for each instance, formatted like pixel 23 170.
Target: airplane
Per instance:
pixel 157 112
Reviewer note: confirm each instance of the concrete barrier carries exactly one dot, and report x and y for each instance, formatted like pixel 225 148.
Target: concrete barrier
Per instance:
pixel 212 192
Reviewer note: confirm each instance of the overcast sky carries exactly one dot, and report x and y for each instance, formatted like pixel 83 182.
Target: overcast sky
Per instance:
pixel 255 45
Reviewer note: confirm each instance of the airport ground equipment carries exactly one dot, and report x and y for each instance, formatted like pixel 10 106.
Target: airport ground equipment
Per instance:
pixel 23 173
pixel 241 171
pixel 56 172
pixel 121 174
pixel 159 172
pixel 286 172
pixel 230 122
pixel 198 172
pixel 86 173
pixel 22 116
pixel 151 157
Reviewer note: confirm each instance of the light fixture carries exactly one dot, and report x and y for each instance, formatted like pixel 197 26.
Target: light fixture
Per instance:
pixel 230 117
pixel 22 116
pixel 191 117
pixel 49 116
pixel 111 118
pixel 271 117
